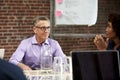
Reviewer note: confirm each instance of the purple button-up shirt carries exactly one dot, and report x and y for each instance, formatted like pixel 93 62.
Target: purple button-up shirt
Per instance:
pixel 29 52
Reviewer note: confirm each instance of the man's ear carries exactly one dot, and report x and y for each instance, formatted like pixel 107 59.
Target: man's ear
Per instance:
pixel 34 29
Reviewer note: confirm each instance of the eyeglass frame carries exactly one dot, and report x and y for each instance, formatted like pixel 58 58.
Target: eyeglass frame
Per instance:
pixel 43 28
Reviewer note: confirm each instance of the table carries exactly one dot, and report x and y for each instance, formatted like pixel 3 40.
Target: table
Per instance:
pixel 51 74
pixel 46 75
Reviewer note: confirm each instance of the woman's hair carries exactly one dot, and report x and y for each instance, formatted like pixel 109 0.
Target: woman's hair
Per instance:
pixel 114 18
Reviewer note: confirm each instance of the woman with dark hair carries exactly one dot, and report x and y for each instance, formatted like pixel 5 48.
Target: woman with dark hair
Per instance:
pixel 112 41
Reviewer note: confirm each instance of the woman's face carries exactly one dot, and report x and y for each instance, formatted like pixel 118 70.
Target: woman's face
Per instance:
pixel 110 32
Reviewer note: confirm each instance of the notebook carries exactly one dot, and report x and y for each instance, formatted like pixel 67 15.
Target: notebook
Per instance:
pixel 95 65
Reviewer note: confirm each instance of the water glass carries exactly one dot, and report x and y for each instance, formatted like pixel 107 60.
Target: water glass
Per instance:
pixel 46 59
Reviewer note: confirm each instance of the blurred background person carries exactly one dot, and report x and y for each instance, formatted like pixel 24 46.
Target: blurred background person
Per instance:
pixel 112 41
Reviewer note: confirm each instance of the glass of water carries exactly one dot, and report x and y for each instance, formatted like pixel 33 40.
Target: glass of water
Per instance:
pixel 46 59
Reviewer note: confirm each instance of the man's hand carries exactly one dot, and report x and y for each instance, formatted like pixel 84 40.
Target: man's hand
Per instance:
pixel 24 67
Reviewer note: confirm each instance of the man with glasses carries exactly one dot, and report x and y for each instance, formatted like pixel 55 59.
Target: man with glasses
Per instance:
pixel 29 53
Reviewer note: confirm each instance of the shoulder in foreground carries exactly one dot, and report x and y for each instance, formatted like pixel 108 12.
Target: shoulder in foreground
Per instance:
pixel 11 71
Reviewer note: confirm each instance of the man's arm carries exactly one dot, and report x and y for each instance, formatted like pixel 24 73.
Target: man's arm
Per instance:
pixel 24 67
pixel 18 55
pixel 59 52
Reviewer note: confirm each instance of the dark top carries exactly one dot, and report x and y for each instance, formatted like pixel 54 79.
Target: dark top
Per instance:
pixel 9 71
pixel 111 46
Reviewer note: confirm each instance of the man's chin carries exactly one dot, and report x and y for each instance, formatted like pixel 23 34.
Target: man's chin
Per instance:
pixel 45 38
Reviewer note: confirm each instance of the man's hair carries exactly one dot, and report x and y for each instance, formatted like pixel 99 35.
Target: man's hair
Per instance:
pixel 114 18
pixel 39 18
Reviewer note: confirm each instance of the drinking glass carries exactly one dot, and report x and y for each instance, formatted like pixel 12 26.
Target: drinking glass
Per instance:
pixel 46 59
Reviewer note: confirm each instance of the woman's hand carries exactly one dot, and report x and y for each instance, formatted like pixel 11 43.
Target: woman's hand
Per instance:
pixel 100 43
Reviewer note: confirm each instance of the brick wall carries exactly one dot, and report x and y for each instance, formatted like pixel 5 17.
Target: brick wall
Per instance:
pixel 16 21
pixel 16 24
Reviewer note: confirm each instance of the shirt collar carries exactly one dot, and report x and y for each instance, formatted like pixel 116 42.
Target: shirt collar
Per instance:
pixel 34 41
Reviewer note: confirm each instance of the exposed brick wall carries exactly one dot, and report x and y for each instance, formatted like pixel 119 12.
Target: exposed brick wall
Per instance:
pixel 16 24
pixel 16 21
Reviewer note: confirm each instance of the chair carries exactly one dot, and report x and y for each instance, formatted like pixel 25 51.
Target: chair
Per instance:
pixel 2 51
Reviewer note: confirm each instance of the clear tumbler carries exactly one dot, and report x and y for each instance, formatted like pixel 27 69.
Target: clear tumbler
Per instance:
pixel 46 59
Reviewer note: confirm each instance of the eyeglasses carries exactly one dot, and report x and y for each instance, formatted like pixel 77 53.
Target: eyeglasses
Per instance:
pixel 43 28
